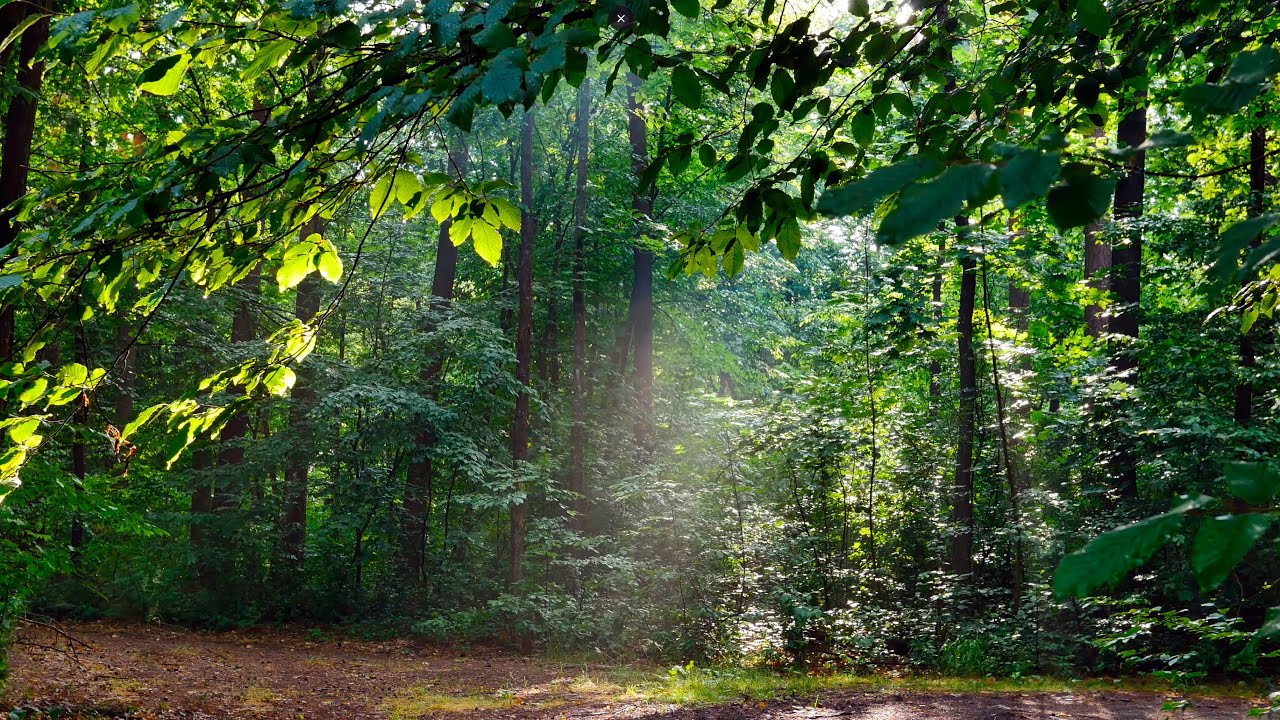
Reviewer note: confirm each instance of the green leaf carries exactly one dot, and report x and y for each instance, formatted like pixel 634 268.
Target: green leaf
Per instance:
pixel 686 86
pixel 23 428
pixel 1094 17
pixel 862 196
pixel 1253 482
pixel 1213 99
pixel 1221 543
pixel 1271 626
pixel 859 8
pixel 687 8
pixel 706 156
pixel 330 262
pixel 279 380
pixel 1080 199
pixel 1254 66
pixel 73 374
pixel 501 84
pixel 922 206
pixel 34 391
pixel 863 127
pixel 1028 176
pixel 1110 556
pixel 380 197
pixel 268 58
pixel 165 75
pixel 783 88
pixel 488 242
pixel 789 238
pixel 405 185
pixel 508 214
pixel 293 270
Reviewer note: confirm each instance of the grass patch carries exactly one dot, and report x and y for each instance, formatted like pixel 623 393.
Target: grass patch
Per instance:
pixel 712 686
pixel 260 697
pixel 418 701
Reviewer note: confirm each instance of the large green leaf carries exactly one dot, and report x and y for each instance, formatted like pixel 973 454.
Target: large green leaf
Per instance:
pixel 268 58
pixel 165 75
pixel 1110 556
pixel 1080 198
pixel 863 195
pixel 488 242
pixel 788 238
pixel 686 86
pixel 1028 176
pixel 1256 483
pixel 922 206
pixel 1221 543
pixel 1093 16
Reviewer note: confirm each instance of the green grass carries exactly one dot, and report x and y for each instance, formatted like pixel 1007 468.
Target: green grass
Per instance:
pixel 712 686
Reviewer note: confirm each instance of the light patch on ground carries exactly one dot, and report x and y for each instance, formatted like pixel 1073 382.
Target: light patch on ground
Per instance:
pixel 419 701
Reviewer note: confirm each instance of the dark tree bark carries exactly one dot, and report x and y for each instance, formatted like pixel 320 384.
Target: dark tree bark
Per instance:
pixel 578 431
pixel 231 454
pixel 293 531
pixel 419 475
pixel 935 366
pixel 642 272
pixel 1126 259
pixel 962 486
pixel 79 459
pixel 19 131
pixel 524 342
pixel 1248 353
pixel 128 368
pixel 1097 264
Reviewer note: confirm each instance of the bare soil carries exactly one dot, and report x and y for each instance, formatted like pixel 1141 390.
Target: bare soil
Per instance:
pixel 161 673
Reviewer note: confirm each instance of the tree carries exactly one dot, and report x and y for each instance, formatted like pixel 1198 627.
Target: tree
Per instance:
pixel 578 428
pixel 1126 283
pixel 524 349
pixel 641 313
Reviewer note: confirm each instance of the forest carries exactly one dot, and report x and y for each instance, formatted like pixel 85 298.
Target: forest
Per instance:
pixel 797 346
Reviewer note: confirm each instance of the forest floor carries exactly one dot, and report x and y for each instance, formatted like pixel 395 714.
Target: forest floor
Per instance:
pixel 158 672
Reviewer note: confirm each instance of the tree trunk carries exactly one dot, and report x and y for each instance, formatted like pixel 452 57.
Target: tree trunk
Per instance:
pixel 935 367
pixel 243 330
pixel 578 431
pixel 962 487
pixel 1097 263
pixel 524 343
pixel 15 155
pixel 293 535
pixel 642 272
pixel 79 460
pixel 128 374
pixel 1248 353
pixel 1126 258
pixel 418 476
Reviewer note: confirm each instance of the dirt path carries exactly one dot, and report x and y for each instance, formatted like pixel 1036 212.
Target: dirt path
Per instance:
pixel 157 673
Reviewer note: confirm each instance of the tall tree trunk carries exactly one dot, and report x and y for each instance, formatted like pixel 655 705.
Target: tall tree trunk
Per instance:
pixel 642 272
pixel 962 482
pixel 1248 353
pixel 1126 258
pixel 418 476
pixel 935 366
pixel 243 330
pixel 127 376
pixel 578 431
pixel 524 343
pixel 962 486
pixel 293 535
pixel 19 132
pixel 79 460
pixel 1097 263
